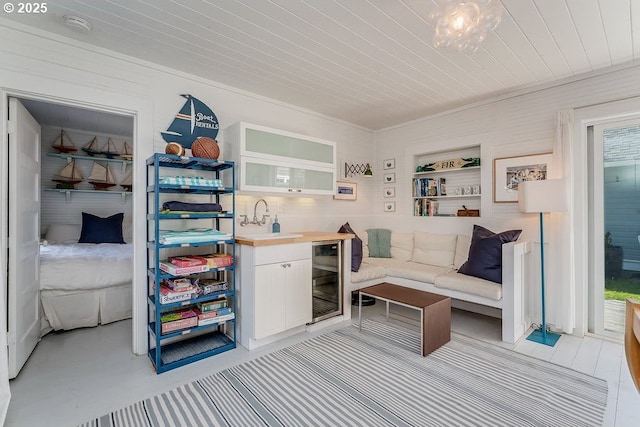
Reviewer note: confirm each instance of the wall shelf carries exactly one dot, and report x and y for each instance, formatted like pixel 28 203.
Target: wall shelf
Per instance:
pixel 67 192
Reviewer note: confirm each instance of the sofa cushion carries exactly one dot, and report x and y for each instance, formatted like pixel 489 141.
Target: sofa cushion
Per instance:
pixel 368 272
pixel 356 247
pixel 469 285
pixel 485 253
pixel 379 242
pixel 462 250
pixel 434 248
pixel 416 271
pixel 401 246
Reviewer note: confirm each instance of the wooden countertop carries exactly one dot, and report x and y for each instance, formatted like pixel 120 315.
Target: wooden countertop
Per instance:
pixel 307 236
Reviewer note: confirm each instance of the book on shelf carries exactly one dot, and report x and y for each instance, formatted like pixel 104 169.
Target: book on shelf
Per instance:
pixel 172 321
pixel 208 286
pixel 175 270
pixel 218 260
pixel 187 260
pixel 216 319
pixel 168 296
pixel 213 305
pixel 212 314
pixel 178 284
pixel 425 207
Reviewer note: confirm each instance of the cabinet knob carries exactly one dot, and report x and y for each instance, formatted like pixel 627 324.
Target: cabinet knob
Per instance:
pixel 290 190
pixel 283 265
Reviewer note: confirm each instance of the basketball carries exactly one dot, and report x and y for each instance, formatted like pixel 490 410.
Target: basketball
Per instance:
pixel 174 148
pixel 205 147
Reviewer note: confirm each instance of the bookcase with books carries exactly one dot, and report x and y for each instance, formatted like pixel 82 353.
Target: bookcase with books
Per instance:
pixel 190 259
pixel 447 183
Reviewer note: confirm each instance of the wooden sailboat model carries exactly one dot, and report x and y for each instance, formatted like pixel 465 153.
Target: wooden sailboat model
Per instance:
pixel 68 176
pixel 92 147
pixel 126 183
pixel 109 149
pixel 63 144
pixel 127 151
pixel 101 177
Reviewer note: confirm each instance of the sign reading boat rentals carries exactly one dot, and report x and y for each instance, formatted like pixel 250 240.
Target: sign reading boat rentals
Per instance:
pixel 195 119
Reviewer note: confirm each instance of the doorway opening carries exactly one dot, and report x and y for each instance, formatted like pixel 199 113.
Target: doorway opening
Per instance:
pixel 76 298
pixel 615 222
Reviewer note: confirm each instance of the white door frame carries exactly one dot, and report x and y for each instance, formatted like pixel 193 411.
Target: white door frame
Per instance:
pixel 580 164
pixel 81 96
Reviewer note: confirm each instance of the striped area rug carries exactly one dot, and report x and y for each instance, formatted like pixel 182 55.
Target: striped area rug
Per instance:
pixel 377 378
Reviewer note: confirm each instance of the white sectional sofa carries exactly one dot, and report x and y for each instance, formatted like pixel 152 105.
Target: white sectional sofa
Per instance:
pixel 429 262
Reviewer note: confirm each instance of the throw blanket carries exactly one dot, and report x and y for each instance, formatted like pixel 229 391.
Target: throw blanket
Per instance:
pixel 192 235
pixel 175 206
pixel 379 242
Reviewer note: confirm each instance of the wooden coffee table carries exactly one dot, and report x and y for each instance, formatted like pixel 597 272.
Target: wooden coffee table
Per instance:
pixel 435 311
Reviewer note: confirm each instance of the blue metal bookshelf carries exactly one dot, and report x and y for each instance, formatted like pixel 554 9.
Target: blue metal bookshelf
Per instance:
pixel 180 347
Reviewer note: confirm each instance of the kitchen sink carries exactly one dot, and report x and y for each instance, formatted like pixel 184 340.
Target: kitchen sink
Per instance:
pixel 265 236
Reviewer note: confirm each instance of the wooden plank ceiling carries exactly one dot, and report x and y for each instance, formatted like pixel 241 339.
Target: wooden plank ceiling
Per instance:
pixel 368 62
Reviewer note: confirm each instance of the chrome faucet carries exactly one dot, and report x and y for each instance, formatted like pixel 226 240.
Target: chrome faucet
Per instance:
pixel 255 220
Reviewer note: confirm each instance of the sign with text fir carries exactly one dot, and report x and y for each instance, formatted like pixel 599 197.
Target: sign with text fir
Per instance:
pixel 193 120
pixel 460 163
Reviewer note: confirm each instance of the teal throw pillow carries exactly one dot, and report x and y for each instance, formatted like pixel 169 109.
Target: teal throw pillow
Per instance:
pixel 379 242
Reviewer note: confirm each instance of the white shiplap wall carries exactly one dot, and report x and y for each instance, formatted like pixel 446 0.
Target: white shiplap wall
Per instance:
pixel 508 126
pixel 37 64
pixel 54 207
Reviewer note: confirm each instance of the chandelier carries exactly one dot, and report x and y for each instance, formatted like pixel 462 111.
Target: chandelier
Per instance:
pixel 463 25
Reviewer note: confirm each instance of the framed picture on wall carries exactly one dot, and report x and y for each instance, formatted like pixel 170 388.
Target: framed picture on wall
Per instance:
pixel 389 192
pixel 508 172
pixel 389 164
pixel 389 206
pixel 389 178
pixel 346 190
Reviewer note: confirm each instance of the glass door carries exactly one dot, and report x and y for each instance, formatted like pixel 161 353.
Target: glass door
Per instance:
pixel 615 224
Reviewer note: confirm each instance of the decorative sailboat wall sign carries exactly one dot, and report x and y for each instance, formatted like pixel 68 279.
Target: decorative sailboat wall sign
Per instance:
pixel 68 176
pixel 63 144
pixel 195 119
pixel 101 177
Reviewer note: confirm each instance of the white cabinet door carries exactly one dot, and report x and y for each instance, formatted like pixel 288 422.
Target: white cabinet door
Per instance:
pixel 280 177
pixel 269 294
pixel 298 298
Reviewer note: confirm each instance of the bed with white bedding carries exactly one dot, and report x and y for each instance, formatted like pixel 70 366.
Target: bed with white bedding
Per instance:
pixel 83 284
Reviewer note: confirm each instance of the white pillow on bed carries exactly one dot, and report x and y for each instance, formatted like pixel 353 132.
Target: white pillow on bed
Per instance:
pixel 63 233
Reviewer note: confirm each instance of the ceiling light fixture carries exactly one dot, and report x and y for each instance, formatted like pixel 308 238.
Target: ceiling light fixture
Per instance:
pixel 77 24
pixel 463 25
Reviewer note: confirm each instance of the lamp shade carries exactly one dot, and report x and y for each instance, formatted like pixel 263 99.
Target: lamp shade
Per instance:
pixel 549 195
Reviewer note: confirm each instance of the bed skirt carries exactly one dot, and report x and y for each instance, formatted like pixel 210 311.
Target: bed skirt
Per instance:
pixel 64 310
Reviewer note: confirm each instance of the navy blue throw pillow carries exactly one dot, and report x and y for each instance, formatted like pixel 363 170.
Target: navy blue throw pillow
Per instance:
pixel 101 230
pixel 356 247
pixel 485 253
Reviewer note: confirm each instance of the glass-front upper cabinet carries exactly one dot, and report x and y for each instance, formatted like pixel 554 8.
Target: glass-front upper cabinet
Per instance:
pixel 279 161
pixel 263 175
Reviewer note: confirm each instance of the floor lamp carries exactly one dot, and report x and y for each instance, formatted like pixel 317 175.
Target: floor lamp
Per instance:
pixel 548 195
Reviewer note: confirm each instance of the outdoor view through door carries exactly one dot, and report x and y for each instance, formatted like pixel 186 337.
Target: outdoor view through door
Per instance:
pixel 621 225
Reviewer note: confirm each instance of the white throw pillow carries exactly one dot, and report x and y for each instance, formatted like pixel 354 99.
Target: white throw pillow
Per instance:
pixel 462 250
pixel 434 248
pixel 401 246
pixel 63 234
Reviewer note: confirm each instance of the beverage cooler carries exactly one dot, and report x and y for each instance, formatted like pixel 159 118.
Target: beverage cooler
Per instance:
pixel 327 279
